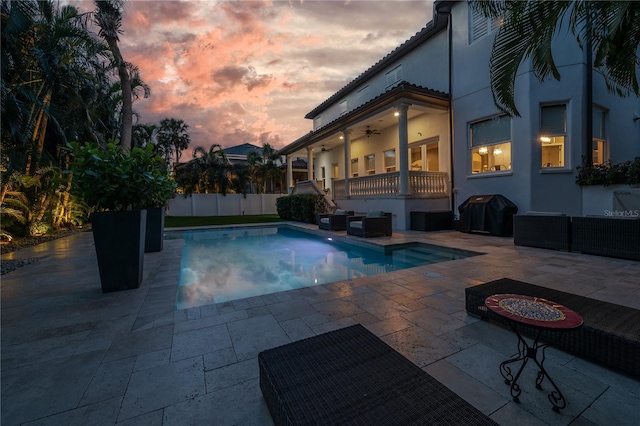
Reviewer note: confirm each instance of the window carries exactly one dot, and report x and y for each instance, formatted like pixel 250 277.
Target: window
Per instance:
pixel 370 164
pixel 317 123
pixel 390 160
pixel 599 154
pixel 553 129
pixel 480 26
pixel 343 107
pixel 423 155
pixel 393 76
pixel 491 145
pixel 364 92
pixel 335 170
pixel 354 167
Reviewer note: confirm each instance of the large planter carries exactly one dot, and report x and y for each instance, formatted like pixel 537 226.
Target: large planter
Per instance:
pixel 155 229
pixel 120 240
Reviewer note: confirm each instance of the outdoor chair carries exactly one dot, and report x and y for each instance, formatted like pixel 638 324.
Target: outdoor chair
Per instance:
pixel 334 222
pixel 374 224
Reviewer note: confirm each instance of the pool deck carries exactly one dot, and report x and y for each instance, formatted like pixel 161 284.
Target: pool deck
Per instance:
pixel 72 355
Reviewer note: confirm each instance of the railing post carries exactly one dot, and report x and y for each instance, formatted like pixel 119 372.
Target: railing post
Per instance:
pixel 309 163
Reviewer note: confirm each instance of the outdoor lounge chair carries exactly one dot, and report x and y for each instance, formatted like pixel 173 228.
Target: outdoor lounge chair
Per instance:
pixel 374 224
pixel 351 377
pixel 334 222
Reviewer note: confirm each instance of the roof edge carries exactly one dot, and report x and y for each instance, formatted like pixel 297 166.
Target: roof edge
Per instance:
pixel 432 28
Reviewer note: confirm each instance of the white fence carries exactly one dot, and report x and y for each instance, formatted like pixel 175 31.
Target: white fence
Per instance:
pixel 220 205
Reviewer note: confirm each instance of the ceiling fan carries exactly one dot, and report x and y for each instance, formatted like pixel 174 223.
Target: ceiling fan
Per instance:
pixel 369 131
pixel 324 149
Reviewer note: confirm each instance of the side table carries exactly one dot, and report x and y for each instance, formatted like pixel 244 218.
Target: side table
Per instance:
pixel 541 314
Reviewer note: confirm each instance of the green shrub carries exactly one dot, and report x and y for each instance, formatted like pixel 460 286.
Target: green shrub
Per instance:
pixel 300 207
pixel 609 174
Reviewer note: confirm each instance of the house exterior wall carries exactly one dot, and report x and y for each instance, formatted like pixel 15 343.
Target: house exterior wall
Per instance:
pixel 527 184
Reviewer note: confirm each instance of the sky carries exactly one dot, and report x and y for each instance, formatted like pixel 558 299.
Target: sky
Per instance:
pixel 249 71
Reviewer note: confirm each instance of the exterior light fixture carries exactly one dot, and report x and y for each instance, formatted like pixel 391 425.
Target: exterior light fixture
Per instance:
pixel 341 137
pixel 483 150
pixel 545 139
pixel 396 114
pixel 497 151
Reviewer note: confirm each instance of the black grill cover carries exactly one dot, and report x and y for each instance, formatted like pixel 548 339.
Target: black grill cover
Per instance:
pixel 488 213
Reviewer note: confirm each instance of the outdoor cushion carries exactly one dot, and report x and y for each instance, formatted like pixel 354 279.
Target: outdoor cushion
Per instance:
pixel 324 220
pixel 356 224
pixel 341 212
pixel 375 213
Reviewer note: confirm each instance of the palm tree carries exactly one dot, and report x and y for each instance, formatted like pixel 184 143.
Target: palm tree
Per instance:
pixel 108 17
pixel 611 28
pixel 270 171
pixel 173 136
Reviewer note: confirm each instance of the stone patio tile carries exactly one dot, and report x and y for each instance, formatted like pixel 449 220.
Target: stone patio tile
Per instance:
pixel 104 412
pixel 253 335
pixel 110 381
pixel 419 346
pixel 337 309
pixel 153 418
pixel 444 302
pixel 293 309
pixel 200 341
pixel 140 342
pixel 210 321
pixel 378 306
pixel 476 393
pixel 626 413
pixel 433 321
pixel 46 388
pixel 219 359
pixel 314 319
pixel 389 325
pixel 241 404
pixel 152 359
pixel 14 356
pixel 333 325
pixel 296 329
pixel 161 386
pixel 232 374
pixel 513 414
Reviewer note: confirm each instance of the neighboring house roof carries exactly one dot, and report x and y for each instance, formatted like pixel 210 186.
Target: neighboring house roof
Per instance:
pixel 242 150
pixel 402 90
pixel 431 29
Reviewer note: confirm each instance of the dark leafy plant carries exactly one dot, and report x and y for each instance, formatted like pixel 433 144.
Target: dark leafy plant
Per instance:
pixel 609 174
pixel 110 179
pixel 300 207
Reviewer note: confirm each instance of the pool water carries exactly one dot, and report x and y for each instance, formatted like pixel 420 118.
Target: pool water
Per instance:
pixel 229 264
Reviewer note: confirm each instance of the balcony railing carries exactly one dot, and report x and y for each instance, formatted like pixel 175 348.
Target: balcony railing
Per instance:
pixel 421 185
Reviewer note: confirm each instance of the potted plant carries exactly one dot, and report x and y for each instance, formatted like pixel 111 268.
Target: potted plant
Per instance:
pixel 159 189
pixel 111 182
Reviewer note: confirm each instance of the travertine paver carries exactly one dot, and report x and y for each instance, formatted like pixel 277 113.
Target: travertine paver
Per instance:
pixel 72 355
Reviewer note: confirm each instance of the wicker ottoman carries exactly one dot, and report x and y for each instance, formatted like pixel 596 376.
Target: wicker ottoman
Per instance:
pixel 349 376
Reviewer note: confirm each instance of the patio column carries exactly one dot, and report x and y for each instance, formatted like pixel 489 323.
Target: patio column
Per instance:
pixel 347 161
pixel 310 163
pixel 289 173
pixel 403 147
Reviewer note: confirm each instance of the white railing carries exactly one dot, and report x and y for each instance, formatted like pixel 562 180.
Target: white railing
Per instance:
pixel 421 185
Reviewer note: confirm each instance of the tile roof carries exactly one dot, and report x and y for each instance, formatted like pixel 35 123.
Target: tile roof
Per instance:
pixel 243 149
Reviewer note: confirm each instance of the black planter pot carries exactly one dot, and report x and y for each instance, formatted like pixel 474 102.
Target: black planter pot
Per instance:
pixel 120 239
pixel 155 229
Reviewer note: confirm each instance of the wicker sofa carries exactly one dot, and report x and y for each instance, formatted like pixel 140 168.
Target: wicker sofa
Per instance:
pixel 606 236
pixel 334 222
pixel 374 224
pixel 542 230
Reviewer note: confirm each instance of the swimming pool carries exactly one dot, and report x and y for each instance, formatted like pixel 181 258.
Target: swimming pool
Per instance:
pixel 229 264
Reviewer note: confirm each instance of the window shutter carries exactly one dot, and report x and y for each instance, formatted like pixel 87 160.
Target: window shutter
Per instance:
pixel 478 25
pixel 553 120
pixel 491 131
pixel 393 76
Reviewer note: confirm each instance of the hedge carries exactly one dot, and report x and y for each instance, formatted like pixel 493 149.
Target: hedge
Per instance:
pixel 300 207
